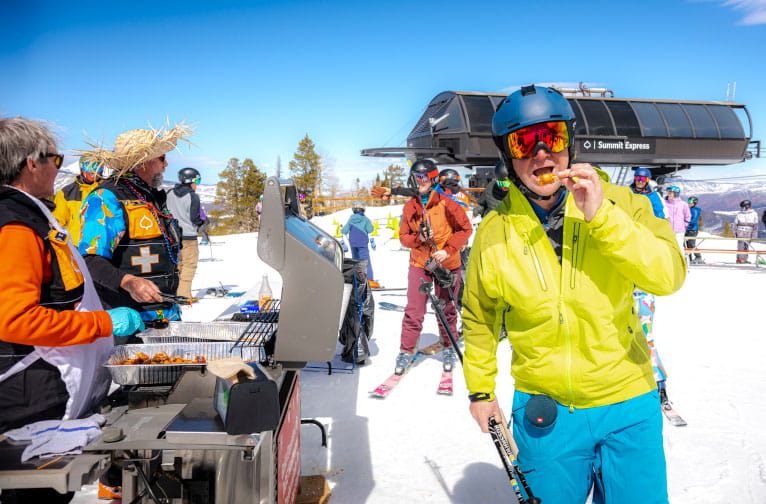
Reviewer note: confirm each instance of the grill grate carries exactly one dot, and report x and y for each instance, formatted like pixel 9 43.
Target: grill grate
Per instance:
pixel 262 327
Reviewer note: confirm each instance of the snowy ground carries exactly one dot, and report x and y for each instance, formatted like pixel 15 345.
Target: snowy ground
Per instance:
pixel 417 446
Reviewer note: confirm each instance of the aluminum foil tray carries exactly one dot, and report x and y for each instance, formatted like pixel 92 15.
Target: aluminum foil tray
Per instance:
pixel 180 332
pixel 155 374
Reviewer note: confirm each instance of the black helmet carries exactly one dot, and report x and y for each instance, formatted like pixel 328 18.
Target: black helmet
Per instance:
pixel 422 167
pixel 188 176
pixel 501 171
pixel 744 203
pixel 448 174
pixel 693 200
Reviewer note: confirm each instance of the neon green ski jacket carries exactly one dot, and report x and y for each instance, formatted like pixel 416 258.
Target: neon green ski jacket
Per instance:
pixel 572 325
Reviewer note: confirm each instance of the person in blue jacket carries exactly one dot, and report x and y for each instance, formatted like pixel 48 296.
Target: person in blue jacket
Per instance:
pixel 358 229
pixel 641 185
pixel 646 302
pixel 692 229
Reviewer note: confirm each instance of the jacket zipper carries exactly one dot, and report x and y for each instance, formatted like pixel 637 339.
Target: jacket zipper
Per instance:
pixel 528 248
pixel 575 255
pixel 567 338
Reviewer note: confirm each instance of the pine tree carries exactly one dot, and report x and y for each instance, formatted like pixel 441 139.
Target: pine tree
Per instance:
pixel 727 230
pixel 306 168
pixel 237 192
pixel 393 176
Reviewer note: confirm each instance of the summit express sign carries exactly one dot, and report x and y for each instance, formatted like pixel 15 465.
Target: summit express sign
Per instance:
pixel 617 145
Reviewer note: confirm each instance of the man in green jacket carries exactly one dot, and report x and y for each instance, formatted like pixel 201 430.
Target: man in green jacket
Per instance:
pixel 558 260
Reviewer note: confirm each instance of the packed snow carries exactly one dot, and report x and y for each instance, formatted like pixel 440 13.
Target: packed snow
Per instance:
pixel 417 446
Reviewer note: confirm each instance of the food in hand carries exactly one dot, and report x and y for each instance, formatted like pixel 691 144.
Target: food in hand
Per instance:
pixel 159 358
pixel 547 178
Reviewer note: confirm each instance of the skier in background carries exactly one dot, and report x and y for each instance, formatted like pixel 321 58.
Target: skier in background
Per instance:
pixel 558 261
pixel 183 202
pixel 641 185
pixel 69 198
pixel 692 229
pixel 745 226
pixel 434 227
pixel 358 228
pixel 678 214
pixel 645 302
pixel 495 191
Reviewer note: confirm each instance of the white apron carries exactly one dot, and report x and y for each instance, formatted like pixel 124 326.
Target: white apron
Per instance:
pixel 81 366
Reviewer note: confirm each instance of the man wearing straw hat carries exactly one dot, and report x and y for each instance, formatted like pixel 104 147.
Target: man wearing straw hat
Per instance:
pixel 129 239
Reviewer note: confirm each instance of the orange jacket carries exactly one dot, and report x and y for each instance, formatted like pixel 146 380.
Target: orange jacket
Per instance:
pixel 449 223
pixel 26 265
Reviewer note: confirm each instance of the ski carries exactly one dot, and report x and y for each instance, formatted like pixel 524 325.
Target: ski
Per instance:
pixel 445 383
pixel 380 289
pixel 670 413
pixel 385 388
pixel 384 305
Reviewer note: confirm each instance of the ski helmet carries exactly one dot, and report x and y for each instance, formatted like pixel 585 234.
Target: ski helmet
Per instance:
pixel 188 176
pixel 501 172
pixel 357 206
pixel 422 168
pixel 674 189
pixel 528 106
pixel 693 200
pixel 642 172
pixel 91 170
pixel 448 174
pixel 744 204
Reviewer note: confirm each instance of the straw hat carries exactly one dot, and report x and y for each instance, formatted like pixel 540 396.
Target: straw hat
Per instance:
pixel 137 146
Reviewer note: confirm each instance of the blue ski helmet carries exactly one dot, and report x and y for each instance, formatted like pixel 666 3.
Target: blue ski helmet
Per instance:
pixel 525 107
pixel 675 189
pixel 642 172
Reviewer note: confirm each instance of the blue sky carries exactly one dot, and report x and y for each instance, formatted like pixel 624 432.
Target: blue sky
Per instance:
pixel 256 77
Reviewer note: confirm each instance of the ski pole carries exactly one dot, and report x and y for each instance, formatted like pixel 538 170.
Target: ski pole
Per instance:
pixel 500 435
pixel 511 449
pixel 426 288
pixel 494 431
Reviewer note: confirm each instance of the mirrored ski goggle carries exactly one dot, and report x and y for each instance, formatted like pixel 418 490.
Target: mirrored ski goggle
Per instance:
pixel 196 180
pixel 449 176
pixel 522 142
pixel 640 178
pixel 92 166
pixel 505 183
pixel 421 177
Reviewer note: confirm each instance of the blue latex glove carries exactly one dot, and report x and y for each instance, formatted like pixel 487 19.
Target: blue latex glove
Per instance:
pixel 343 245
pixel 372 243
pixel 125 321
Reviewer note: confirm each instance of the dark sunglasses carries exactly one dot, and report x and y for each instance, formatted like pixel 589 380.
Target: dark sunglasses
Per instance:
pixel 58 159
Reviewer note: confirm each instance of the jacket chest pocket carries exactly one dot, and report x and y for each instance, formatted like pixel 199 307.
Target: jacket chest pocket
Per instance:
pixel 142 224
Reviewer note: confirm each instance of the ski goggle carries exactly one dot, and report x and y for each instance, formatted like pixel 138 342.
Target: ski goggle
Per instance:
pixel 505 183
pixel 522 142
pixel 639 178
pixel 196 180
pixel 449 176
pixel 421 177
pixel 92 167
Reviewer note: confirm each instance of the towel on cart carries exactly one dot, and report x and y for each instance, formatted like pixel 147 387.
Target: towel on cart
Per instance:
pixel 51 438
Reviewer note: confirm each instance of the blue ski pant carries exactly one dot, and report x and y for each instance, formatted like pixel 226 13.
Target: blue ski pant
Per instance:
pixel 616 449
pixel 363 253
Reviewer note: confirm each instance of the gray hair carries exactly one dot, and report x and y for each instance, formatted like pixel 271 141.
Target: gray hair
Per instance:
pixel 20 139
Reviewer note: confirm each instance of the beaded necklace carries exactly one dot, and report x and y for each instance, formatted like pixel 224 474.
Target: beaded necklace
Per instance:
pixel 156 213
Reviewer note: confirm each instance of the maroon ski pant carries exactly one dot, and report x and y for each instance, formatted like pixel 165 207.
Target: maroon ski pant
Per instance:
pixel 412 323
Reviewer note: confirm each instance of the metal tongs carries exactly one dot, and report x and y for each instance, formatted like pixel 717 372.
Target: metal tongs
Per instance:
pixel 182 300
